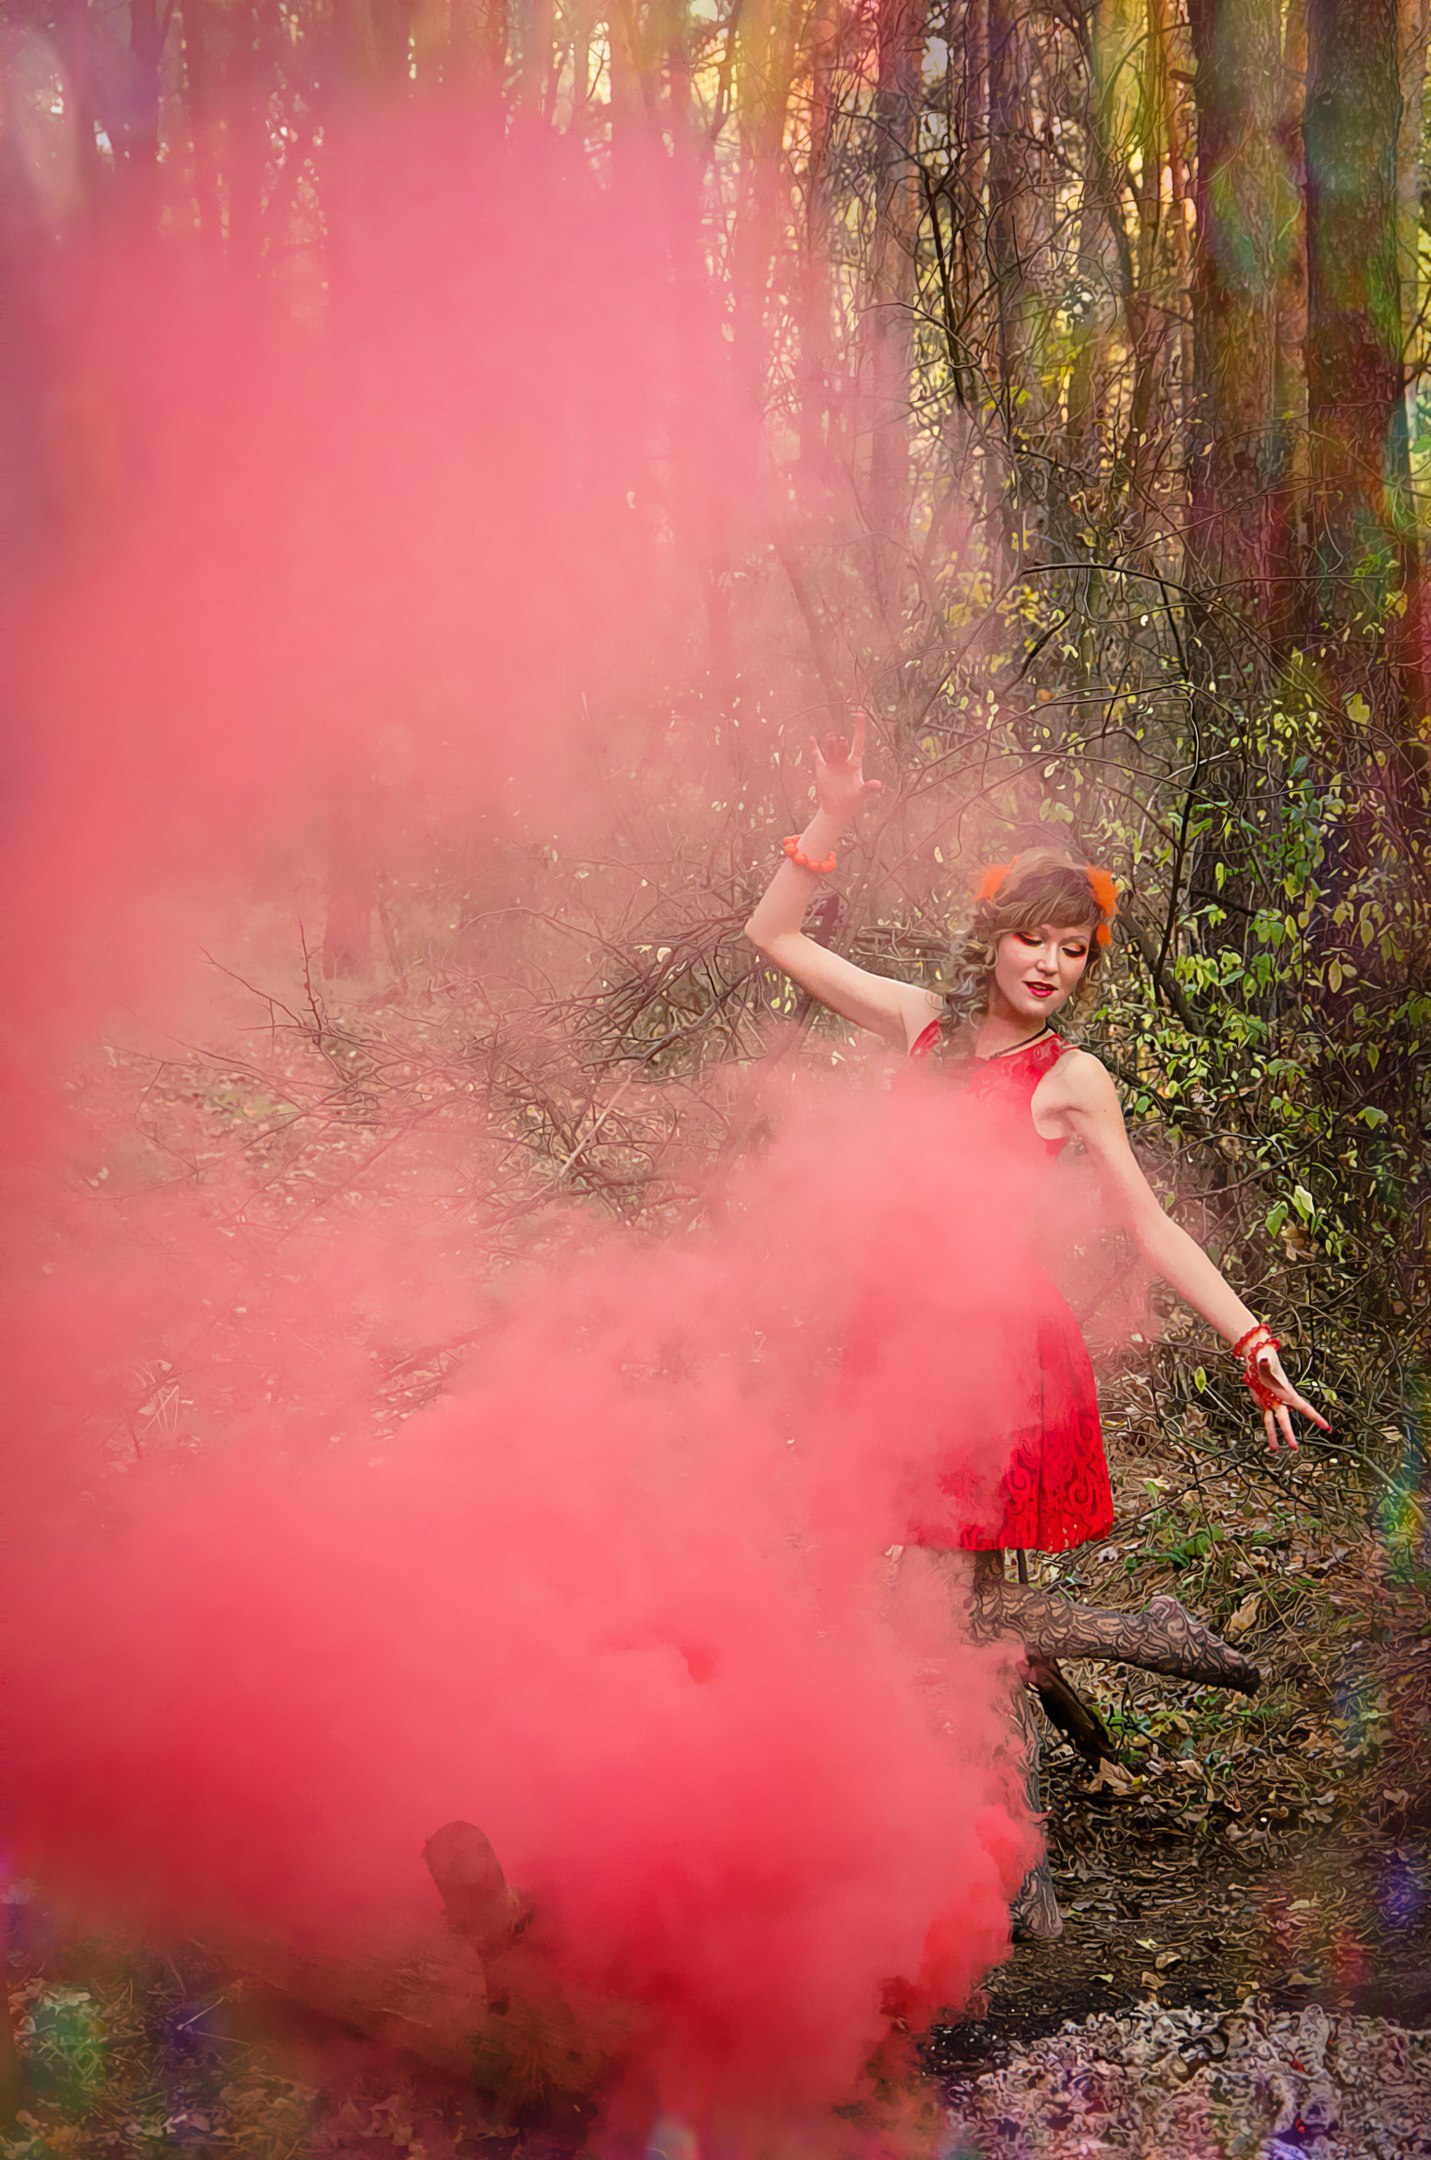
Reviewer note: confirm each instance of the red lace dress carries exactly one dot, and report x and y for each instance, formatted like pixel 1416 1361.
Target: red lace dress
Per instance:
pixel 1055 1492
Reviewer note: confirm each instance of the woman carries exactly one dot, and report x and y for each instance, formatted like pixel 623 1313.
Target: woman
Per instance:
pixel 1040 927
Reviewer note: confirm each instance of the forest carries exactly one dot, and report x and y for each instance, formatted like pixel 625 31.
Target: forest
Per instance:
pixel 1059 398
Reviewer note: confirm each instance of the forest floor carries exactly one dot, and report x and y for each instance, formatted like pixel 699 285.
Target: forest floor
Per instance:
pixel 1246 1902
pixel 1299 1879
pixel 1229 1867
pixel 1257 1858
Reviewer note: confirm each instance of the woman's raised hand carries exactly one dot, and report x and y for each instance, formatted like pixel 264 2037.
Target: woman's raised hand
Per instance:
pixel 840 783
pixel 1278 1417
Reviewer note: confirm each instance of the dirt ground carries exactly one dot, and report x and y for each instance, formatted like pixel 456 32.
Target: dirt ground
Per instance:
pixel 1164 1909
pixel 1344 1921
pixel 135 2061
pixel 1270 1853
pixel 1301 1879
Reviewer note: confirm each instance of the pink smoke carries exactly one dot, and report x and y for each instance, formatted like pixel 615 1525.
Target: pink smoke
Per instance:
pixel 618 1595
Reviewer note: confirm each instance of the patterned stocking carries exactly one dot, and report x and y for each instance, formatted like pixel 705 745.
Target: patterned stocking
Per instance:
pixel 1036 1917
pixel 1163 1638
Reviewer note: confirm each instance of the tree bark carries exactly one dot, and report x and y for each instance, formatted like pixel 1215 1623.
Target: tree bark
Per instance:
pixel 1097 275
pixel 1010 196
pixel 816 416
pixel 1245 206
pixel 147 31
pixel 1290 385
pixel 889 304
pixel 1414 640
pixel 1355 410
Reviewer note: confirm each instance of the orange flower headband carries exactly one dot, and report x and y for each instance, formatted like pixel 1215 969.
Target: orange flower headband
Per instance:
pixel 1104 891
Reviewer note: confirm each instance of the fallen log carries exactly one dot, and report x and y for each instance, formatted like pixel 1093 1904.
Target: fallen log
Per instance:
pixel 480 1905
pixel 425 1997
pixel 475 1994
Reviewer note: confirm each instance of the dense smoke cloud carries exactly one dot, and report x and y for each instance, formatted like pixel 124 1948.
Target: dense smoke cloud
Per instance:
pixel 419 535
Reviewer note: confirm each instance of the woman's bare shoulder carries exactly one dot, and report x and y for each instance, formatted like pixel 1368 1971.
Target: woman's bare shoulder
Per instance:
pixel 1081 1080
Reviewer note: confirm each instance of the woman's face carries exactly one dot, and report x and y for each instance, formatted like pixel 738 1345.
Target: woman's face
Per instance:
pixel 1036 971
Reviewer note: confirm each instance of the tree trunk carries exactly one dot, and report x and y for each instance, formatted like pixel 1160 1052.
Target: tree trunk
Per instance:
pixel 147 29
pixel 247 141
pixel 1148 321
pixel 817 299
pixel 889 316
pixel 969 233
pixel 1096 279
pixel 1290 386
pixel 1355 410
pixel 1414 640
pixel 1009 201
pixel 74 35
pixel 1244 207
pixel 202 87
pixel 1022 193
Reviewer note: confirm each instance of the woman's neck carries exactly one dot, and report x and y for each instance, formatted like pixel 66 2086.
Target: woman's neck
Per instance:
pixel 999 1033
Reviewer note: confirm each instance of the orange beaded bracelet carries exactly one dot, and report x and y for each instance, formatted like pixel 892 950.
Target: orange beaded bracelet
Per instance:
pixel 802 861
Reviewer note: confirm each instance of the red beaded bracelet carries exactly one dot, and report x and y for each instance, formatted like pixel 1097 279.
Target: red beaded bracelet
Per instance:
pixel 1249 1348
pixel 802 861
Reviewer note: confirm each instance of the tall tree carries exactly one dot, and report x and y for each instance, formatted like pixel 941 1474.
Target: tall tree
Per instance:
pixel 1355 413
pixel 1245 208
pixel 816 409
pixel 1415 638
pixel 1290 391
pixel 889 310
pixel 1010 196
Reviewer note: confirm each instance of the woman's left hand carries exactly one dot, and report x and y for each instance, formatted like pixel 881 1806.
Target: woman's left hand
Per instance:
pixel 1277 1417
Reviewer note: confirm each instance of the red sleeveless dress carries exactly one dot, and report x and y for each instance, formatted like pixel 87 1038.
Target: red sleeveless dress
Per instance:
pixel 1055 1492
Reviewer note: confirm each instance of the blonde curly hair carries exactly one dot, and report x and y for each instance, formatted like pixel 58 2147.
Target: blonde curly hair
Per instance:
pixel 1041 885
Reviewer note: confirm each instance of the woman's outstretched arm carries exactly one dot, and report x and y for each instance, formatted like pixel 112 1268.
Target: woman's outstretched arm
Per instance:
pixel 898 1011
pixel 1081 1092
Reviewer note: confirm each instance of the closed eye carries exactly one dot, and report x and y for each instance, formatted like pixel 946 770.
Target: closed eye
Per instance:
pixel 1075 951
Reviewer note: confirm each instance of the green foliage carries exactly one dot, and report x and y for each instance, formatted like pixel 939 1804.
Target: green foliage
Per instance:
pixel 68 2047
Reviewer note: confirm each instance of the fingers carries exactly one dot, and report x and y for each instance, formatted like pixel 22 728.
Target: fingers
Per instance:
pixel 1278 1420
pixel 844 754
pixel 1304 1409
pixel 1273 1373
pixel 1277 1416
